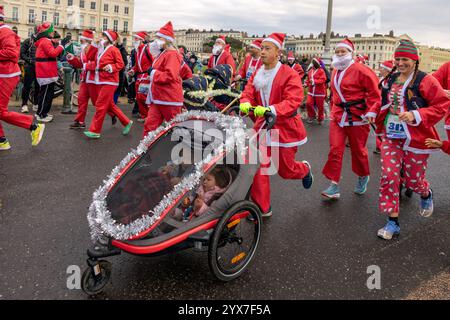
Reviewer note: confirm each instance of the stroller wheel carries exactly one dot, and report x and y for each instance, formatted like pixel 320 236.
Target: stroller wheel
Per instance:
pixel 94 284
pixel 234 241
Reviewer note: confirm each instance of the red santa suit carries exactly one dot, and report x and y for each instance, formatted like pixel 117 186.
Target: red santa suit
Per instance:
pixel 250 66
pixel 283 95
pixel 9 76
pixel 87 90
pixel 144 61
pixel 185 71
pixel 223 58
pixel 106 82
pixel 356 83
pixel 317 91
pixel 165 97
pixel 443 76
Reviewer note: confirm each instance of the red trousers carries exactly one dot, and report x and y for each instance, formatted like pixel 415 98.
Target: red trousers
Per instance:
pixel 7 86
pixel 105 104
pixel 393 160
pixel 357 137
pixel 315 108
pixel 157 114
pixel 2 133
pixel 87 91
pixel 288 168
pixel 141 101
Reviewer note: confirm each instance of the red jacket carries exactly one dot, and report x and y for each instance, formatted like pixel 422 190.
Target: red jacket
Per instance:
pixel 83 59
pixel 9 52
pixel 46 61
pixel 144 60
pixel 298 68
pixel 443 76
pixel 224 58
pixel 426 118
pixel 109 56
pixel 249 60
pixel 286 95
pixel 316 82
pixel 446 147
pixel 357 82
pixel 166 87
pixel 185 71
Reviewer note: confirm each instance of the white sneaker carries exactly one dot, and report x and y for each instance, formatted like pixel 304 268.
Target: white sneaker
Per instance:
pixel 46 119
pixel 24 109
pixel 35 107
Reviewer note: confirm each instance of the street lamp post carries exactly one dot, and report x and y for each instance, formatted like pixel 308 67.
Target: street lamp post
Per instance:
pixel 326 57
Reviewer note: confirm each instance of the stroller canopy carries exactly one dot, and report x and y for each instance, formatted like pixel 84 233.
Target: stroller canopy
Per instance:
pixel 151 179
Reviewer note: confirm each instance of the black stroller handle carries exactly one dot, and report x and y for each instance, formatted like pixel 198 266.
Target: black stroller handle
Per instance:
pixel 271 119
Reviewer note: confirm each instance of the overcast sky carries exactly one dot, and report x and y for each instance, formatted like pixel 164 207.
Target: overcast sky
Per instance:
pixel 425 21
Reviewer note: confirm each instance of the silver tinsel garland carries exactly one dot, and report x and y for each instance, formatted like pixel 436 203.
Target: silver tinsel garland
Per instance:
pixel 99 217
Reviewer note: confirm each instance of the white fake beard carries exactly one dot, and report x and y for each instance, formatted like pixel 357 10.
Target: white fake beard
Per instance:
pixel 216 50
pixel 341 63
pixel 261 80
pixel 155 48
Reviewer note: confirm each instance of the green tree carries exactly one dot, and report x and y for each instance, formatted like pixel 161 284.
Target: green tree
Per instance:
pixel 236 45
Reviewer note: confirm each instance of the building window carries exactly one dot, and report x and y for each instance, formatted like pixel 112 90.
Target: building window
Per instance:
pixel 116 9
pixel 115 25
pixel 44 1
pixel 105 7
pixel 69 3
pixel 15 14
pixel 57 1
pixel 126 10
pixel 92 22
pixel 125 26
pixel 93 5
pixel 81 21
pixel 105 23
pixel 56 18
pixel 31 16
pixel 82 4
pixel 30 32
pixel 44 16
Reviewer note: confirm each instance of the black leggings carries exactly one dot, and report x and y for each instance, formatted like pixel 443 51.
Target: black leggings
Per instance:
pixel 46 93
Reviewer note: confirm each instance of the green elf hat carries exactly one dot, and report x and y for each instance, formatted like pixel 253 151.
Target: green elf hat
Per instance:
pixel 46 28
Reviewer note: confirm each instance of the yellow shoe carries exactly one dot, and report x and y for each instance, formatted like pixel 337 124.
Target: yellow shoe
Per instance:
pixel 5 145
pixel 36 134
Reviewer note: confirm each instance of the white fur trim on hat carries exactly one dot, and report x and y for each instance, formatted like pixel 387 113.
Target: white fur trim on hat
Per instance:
pixel 159 34
pixel 255 46
pixel 221 40
pixel 108 35
pixel 344 45
pixel 279 45
pixel 86 38
pixel 385 67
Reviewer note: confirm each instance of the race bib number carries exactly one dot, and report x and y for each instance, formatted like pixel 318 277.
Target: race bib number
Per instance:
pixel 250 72
pixel 143 88
pixel 395 129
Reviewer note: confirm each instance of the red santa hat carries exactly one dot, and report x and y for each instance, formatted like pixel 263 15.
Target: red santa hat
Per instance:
pixel 166 32
pixel 291 55
pixel 347 44
pixel 221 39
pixel 318 60
pixel 277 39
pixel 87 35
pixel 388 65
pixel 2 12
pixel 141 35
pixel 112 35
pixel 256 44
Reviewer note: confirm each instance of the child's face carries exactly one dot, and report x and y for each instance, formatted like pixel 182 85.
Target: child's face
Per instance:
pixel 209 182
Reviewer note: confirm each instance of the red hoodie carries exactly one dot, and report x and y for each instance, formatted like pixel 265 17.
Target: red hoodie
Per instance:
pixel 9 52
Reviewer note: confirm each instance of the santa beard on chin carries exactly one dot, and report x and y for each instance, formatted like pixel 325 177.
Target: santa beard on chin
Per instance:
pixel 261 80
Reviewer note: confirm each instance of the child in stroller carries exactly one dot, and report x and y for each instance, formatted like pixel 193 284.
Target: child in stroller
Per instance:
pixel 214 184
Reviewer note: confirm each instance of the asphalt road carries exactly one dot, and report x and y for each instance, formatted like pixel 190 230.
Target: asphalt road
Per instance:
pixel 310 248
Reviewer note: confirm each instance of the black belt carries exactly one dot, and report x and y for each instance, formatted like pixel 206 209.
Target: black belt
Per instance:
pixel 45 59
pixel 347 105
